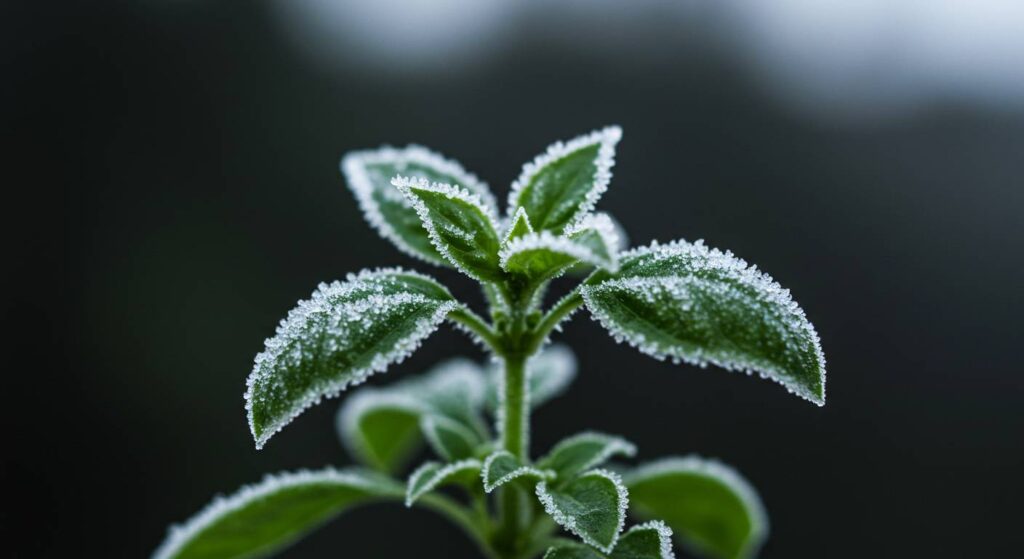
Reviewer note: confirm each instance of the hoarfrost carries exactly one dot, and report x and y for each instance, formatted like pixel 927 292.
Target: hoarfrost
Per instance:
pixel 432 475
pixel 570 522
pixel 509 470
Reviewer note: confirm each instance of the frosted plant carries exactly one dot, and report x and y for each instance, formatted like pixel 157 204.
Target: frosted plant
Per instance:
pixel 682 301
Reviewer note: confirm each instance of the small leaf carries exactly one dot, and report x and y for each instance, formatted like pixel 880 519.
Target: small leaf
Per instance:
pixel 262 518
pixel 519 226
pixel 652 540
pixel 691 303
pixel 502 466
pixel 433 475
pixel 708 505
pixel 368 174
pixel 344 333
pixel 461 227
pixel 592 506
pixel 550 374
pixel 450 439
pixel 561 185
pixel 598 233
pixel 543 256
pixel 584 451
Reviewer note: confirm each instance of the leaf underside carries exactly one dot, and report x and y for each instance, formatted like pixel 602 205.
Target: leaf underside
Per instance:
pixel 687 302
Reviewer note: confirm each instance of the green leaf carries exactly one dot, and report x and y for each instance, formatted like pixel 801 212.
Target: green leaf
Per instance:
pixel 260 519
pixel 582 452
pixel 652 540
pixel 543 256
pixel 450 439
pixel 502 467
pixel 461 227
pixel 369 173
pixel 561 185
pixel 708 505
pixel 598 234
pixel 344 333
pixel 381 425
pixel 592 506
pixel 519 226
pixel 550 374
pixel 690 303
pixel 433 475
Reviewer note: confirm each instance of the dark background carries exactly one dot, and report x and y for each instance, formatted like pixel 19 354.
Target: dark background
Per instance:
pixel 172 190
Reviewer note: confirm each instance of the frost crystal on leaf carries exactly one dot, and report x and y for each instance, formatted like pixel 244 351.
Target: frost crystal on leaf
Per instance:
pixel 691 303
pixel 368 174
pixel 584 451
pixel 502 467
pixel 432 475
pixel 180 536
pixel 661 531
pixel 586 510
pixel 345 332
pixel 555 197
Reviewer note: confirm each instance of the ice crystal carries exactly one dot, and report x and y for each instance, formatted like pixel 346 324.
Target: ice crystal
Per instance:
pixel 502 467
pixel 571 521
pixel 432 475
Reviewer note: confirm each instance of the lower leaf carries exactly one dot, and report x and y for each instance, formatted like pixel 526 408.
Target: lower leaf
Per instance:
pixel 432 475
pixel 592 506
pixel 262 518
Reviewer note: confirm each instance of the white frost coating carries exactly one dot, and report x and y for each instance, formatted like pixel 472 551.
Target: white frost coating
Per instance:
pixel 569 522
pixel 406 185
pixel 545 241
pixel 511 225
pixel 277 348
pixel 180 534
pixel 485 473
pixel 607 230
pixel 416 487
pixel 354 164
pixel 705 258
pixel 611 446
pixel 713 469
pixel 664 536
pixel 608 138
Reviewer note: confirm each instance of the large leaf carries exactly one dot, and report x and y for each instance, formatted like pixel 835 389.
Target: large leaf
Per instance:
pixel 652 540
pixel 262 518
pixel 563 184
pixel 584 451
pixel 708 505
pixel 433 475
pixel 381 425
pixel 550 373
pixel 369 173
pixel 502 467
pixel 690 303
pixel 592 506
pixel 461 227
pixel 345 332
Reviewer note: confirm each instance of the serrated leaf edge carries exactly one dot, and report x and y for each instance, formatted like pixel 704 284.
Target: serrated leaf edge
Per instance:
pixel 745 273
pixel 437 478
pixel 453 192
pixel 516 473
pixel 180 534
pixel 397 354
pixel 714 469
pixel 608 137
pixel 569 523
pixel 613 445
pixel 353 167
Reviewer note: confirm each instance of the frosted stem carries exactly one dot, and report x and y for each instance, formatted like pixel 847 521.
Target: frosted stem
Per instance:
pixel 515 426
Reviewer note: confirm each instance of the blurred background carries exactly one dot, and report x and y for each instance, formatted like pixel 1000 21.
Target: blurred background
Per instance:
pixel 172 190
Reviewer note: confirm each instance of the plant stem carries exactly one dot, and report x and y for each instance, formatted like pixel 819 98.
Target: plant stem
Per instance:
pixel 515 420
pixel 472 322
pixel 563 308
pixel 457 514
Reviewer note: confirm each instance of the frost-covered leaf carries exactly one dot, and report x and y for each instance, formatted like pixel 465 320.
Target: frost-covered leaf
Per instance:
pixel 563 184
pixel 369 173
pixel 519 226
pixel 688 302
pixel 433 475
pixel 582 452
pixel 550 373
pixel 259 519
pixel 381 425
pixel 543 256
pixel 502 467
pixel 652 540
pixel 450 439
pixel 708 505
pixel 592 506
pixel 345 332
pixel 462 228
pixel 597 232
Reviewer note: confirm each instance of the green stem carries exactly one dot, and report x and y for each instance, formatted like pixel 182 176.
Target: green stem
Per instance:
pixel 515 412
pixel 462 518
pixel 477 325
pixel 563 308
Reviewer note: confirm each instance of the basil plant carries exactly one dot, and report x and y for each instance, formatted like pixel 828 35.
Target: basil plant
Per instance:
pixel 683 301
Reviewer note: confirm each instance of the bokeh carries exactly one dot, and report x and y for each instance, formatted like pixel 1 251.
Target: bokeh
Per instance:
pixel 173 189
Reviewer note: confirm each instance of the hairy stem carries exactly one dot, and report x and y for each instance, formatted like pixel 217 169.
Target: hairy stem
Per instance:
pixel 563 308
pixel 472 322
pixel 515 416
